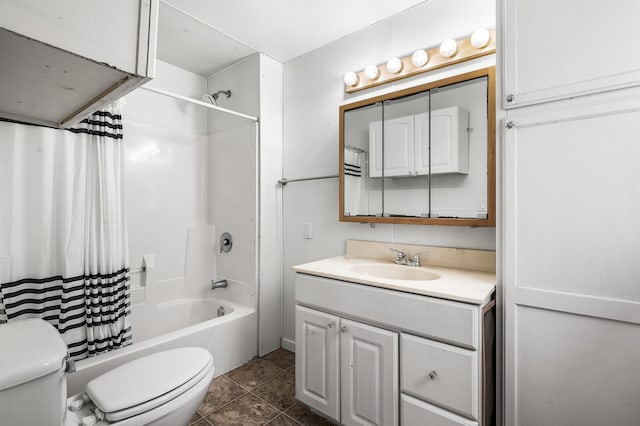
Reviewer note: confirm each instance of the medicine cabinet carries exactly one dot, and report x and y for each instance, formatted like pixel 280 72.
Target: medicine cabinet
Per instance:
pixel 423 155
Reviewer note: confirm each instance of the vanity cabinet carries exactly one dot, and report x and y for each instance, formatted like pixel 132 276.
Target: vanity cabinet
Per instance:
pixel 346 370
pixel 406 144
pixel 363 350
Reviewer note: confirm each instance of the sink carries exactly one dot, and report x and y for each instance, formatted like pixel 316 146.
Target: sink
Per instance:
pixel 394 272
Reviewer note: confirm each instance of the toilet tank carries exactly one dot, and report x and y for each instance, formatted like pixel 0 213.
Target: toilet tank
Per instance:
pixel 33 389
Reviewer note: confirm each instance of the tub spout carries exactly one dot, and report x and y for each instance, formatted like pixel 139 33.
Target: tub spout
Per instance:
pixel 218 284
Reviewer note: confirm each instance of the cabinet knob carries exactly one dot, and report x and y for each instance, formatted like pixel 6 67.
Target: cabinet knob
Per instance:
pixel 509 98
pixel 432 375
pixel 331 325
pixel 344 329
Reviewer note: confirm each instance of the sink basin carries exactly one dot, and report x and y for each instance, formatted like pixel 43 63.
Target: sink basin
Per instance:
pixel 394 272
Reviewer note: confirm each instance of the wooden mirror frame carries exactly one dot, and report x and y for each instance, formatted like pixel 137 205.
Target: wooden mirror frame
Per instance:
pixel 490 221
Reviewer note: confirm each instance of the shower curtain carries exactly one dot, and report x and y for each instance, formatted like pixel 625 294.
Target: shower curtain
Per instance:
pixel 352 182
pixel 63 237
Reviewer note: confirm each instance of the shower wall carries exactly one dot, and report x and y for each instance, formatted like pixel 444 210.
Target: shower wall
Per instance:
pixel 244 197
pixel 232 174
pixel 165 177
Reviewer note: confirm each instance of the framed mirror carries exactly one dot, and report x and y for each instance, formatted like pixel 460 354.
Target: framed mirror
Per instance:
pixel 423 155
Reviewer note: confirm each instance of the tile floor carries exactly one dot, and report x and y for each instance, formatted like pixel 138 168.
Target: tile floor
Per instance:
pixel 261 392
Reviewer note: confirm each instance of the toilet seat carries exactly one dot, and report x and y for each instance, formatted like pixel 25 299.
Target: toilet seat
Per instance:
pixel 149 382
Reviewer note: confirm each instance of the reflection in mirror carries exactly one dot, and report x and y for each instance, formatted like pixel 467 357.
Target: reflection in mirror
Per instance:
pixel 459 150
pixel 362 195
pixel 406 156
pixel 422 155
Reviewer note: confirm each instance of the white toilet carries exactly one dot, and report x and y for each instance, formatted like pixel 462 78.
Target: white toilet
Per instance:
pixel 164 388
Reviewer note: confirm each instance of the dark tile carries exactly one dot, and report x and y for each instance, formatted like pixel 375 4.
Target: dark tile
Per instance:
pixel 195 418
pixel 201 422
pixel 279 391
pixel 281 357
pixel 247 410
pixel 221 392
pixel 283 420
pixel 254 373
pixel 303 414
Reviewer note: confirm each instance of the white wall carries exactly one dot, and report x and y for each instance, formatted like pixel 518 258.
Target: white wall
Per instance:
pixel 313 90
pixel 270 226
pixel 164 150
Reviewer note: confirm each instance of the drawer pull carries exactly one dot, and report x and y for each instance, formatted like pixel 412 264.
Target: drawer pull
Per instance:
pixel 344 329
pixel 331 325
pixel 432 375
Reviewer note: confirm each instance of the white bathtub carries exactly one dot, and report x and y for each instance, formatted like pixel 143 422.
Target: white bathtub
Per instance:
pixel 232 339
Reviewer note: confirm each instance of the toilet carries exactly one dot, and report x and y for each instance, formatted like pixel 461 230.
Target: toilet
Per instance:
pixel 160 389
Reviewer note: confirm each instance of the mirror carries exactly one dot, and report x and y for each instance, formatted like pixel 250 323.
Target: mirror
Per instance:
pixel 424 155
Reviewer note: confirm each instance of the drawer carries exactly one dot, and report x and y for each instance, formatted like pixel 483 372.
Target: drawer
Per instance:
pixel 441 374
pixel 415 412
pixel 443 320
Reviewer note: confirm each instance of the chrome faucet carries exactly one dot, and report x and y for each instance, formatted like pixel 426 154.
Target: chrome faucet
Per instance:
pixel 403 258
pixel 219 284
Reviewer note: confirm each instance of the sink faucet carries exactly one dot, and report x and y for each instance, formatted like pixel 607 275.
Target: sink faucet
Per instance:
pixel 218 284
pixel 403 258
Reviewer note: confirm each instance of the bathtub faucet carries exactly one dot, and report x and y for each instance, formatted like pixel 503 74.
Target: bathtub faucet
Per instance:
pixel 218 284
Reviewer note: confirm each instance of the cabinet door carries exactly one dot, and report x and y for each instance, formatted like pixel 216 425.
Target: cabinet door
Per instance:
pixel 317 354
pixel 396 155
pixel 369 379
pixel 551 48
pixel 449 141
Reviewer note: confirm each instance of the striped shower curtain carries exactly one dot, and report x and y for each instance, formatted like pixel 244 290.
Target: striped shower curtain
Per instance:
pixel 63 236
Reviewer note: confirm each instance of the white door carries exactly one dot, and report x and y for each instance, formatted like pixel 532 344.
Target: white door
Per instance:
pixel 556 49
pixel 396 145
pixel 317 354
pixel 369 375
pixel 572 239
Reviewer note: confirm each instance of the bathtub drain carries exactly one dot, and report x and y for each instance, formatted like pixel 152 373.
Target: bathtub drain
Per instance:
pixel 221 311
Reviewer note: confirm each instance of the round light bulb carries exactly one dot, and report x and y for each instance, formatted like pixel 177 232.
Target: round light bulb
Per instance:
pixel 371 72
pixel 351 79
pixel 448 48
pixel 394 65
pixel 480 38
pixel 420 58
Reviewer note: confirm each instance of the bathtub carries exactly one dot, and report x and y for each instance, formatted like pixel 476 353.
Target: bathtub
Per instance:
pixel 232 338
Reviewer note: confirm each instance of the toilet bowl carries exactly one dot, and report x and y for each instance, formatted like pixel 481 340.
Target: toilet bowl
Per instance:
pixel 160 389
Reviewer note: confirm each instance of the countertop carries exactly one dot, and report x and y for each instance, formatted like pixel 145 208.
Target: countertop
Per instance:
pixel 461 285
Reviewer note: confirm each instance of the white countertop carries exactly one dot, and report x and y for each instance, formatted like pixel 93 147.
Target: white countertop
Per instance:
pixel 454 284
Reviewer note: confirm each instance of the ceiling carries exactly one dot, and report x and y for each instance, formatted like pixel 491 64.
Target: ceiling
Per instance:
pixel 205 36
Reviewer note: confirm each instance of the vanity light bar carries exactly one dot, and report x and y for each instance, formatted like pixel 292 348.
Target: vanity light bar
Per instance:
pixel 435 58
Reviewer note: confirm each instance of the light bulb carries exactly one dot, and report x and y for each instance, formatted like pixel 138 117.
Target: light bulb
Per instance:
pixel 371 72
pixel 480 38
pixel 351 79
pixel 394 65
pixel 420 58
pixel 448 48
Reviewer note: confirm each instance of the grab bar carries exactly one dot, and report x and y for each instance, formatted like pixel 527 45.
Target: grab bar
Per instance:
pixel 285 181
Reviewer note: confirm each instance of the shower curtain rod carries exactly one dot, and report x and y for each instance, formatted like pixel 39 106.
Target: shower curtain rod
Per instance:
pixel 197 102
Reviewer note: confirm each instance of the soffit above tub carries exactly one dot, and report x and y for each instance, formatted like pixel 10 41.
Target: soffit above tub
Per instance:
pixel 286 29
pixel 193 45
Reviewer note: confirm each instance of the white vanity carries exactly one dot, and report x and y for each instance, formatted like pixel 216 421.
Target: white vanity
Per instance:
pixel 384 344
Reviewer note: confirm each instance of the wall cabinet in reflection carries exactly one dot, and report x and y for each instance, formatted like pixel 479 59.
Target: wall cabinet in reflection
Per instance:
pixel 406 144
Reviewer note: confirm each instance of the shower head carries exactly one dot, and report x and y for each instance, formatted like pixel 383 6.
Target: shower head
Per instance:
pixel 213 98
pixel 208 98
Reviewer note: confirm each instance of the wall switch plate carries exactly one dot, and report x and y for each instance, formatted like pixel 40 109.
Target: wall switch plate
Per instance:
pixel 308 231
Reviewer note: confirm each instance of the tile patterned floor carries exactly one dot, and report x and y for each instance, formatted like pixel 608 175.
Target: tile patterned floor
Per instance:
pixel 261 392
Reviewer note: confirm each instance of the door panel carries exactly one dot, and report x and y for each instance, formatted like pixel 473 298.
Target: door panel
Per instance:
pixel 317 354
pixel 369 364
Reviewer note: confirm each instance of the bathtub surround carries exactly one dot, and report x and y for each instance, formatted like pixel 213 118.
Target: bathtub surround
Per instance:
pixel 66 236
